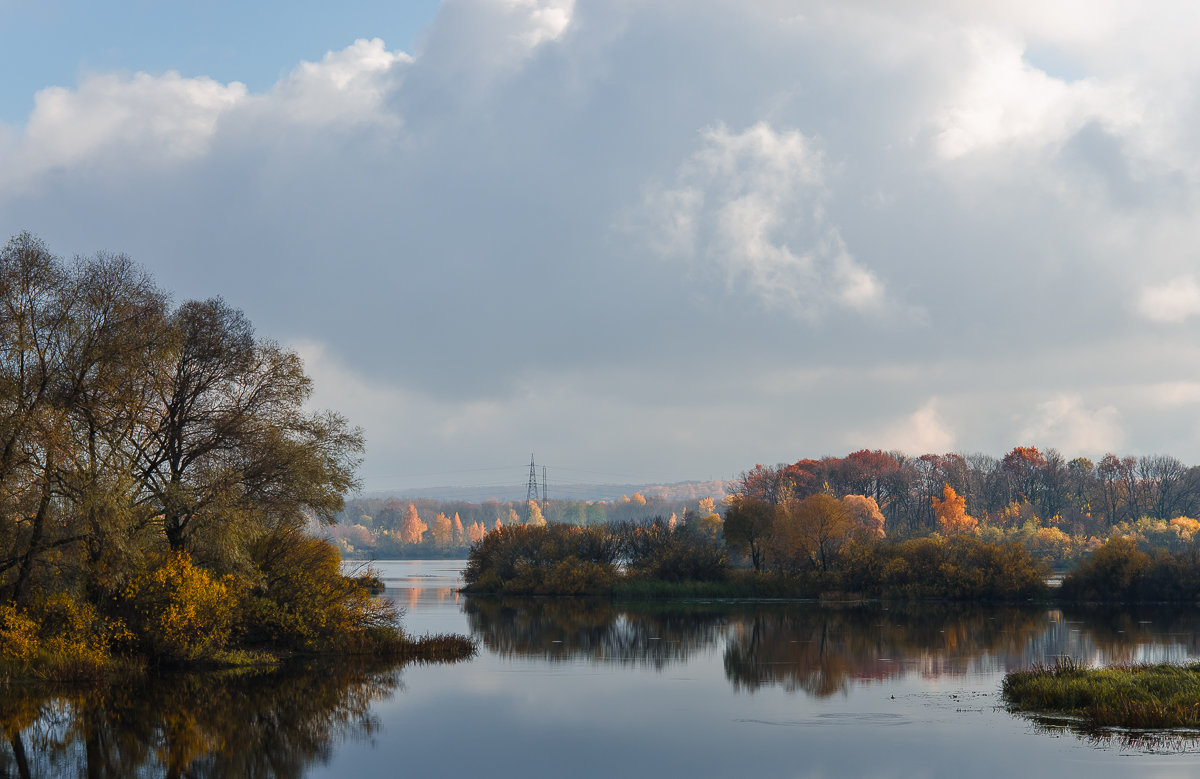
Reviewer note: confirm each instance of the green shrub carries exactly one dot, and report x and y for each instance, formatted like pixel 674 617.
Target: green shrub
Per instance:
pixel 557 559
pixel 303 601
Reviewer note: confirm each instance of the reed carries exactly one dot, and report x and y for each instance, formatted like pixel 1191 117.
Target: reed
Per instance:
pixel 1130 696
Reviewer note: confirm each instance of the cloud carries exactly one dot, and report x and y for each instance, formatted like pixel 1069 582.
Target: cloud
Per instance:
pixel 1002 102
pixel 753 204
pixel 1066 423
pixel 921 432
pixel 112 122
pixel 1170 303
pixel 686 235
pixel 109 117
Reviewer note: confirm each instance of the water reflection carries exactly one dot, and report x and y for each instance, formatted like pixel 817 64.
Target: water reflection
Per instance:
pixel 558 629
pixel 199 725
pixel 822 650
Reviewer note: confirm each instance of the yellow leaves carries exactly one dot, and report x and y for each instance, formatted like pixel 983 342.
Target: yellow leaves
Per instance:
pixel 180 611
pixel 18 634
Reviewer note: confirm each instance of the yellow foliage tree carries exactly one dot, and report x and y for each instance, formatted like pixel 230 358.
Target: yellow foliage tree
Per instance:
pixel 460 535
pixel 808 532
pixel 442 530
pixel 536 519
pixel 951 512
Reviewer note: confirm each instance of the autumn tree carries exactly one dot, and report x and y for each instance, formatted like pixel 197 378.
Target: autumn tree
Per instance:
pixel 536 519
pixel 228 438
pixel 951 512
pixel 442 530
pixel 865 516
pixel 413 527
pixel 808 532
pixel 476 531
pixel 748 524
pixel 460 535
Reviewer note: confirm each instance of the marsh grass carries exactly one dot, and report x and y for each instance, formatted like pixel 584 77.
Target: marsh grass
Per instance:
pixel 439 648
pixel 1127 696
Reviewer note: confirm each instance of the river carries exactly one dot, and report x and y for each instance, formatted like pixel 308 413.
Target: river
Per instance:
pixel 580 688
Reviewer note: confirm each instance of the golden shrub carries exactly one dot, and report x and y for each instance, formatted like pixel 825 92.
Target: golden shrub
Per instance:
pixel 18 634
pixel 178 611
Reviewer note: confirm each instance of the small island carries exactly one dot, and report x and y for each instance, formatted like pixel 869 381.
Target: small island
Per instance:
pixel 1156 696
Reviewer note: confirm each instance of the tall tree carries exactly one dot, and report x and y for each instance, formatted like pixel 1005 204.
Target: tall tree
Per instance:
pixel 228 440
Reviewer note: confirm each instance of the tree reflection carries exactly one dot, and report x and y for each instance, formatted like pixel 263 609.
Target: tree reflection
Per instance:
pixel 250 724
pixel 821 650
pixel 579 628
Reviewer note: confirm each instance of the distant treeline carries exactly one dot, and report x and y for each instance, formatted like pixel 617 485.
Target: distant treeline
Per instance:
pixel 396 528
pixel 1059 510
pixel 1078 494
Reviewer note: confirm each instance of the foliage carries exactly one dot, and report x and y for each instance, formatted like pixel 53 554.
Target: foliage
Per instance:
pixel 1120 571
pixel 304 602
pixel 178 611
pixel 808 533
pixel 149 453
pixel 688 552
pixel 526 559
pixel 951 512
pixel 747 525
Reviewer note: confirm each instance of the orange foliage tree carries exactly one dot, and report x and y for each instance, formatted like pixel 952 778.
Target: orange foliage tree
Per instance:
pixel 865 513
pixel 951 512
pixel 412 528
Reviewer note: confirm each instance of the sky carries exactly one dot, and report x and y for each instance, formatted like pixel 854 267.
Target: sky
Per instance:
pixel 649 241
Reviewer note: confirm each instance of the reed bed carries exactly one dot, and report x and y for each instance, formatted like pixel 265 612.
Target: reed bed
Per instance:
pixel 1164 695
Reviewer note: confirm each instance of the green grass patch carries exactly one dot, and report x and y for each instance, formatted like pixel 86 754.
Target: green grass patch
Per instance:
pixel 1128 696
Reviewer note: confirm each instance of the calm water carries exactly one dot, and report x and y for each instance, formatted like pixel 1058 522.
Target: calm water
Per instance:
pixel 579 688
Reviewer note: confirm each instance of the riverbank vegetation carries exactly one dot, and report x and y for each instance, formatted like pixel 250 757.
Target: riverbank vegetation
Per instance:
pixel 872 524
pixel 159 477
pixel 655 560
pixel 1130 696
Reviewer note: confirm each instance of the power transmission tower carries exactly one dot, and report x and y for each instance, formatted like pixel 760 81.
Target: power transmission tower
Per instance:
pixel 531 495
pixel 545 500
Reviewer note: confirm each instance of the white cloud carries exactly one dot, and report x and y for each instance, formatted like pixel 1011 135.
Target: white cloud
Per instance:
pixel 109 117
pixel 1170 303
pixel 1003 103
pixel 345 86
pixel 112 122
pixel 1066 423
pixel 921 432
pixel 753 204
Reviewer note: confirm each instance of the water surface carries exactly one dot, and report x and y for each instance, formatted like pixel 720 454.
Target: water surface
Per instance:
pixel 592 688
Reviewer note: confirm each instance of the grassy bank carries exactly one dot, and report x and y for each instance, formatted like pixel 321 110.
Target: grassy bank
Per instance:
pixel 1130 696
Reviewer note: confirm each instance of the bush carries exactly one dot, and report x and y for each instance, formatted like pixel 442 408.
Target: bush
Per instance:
pixel 18 635
pixel 1120 571
pixel 557 559
pixel 179 612
pixel 961 567
pixel 690 552
pixel 303 601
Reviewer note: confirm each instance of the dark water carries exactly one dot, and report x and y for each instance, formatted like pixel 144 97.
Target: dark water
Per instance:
pixel 587 688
